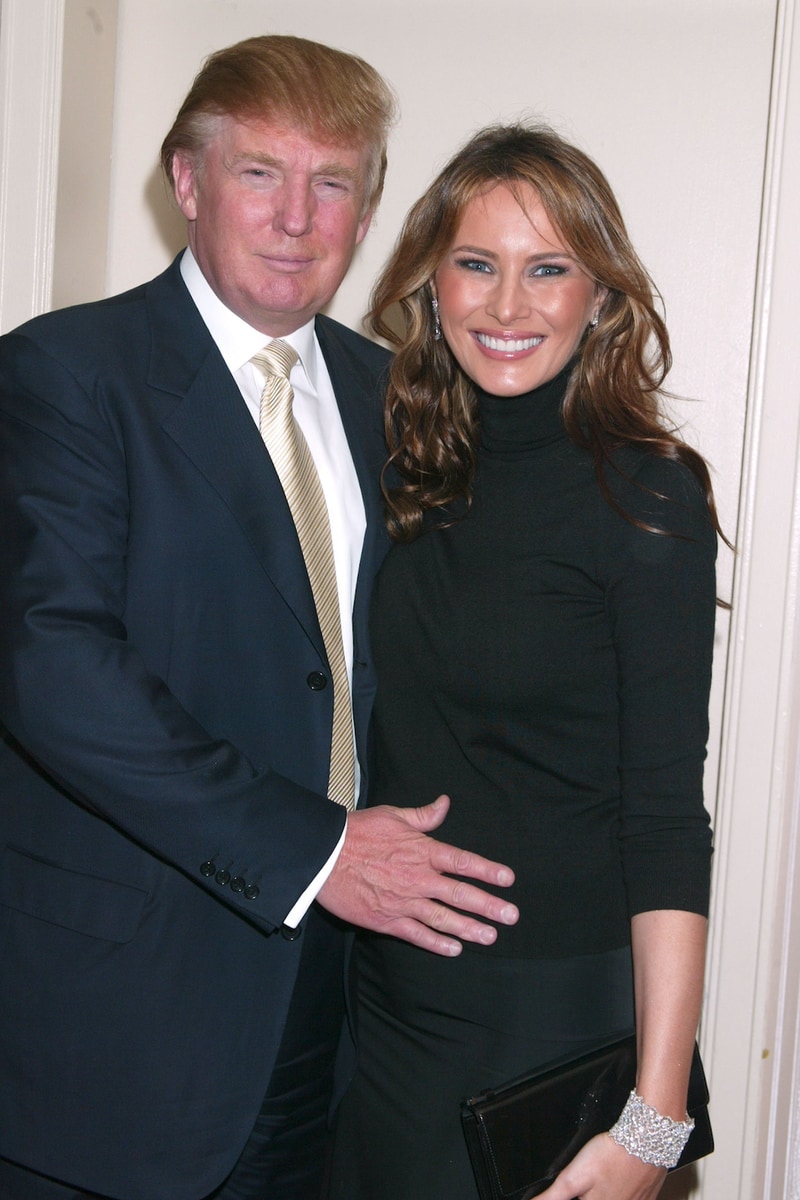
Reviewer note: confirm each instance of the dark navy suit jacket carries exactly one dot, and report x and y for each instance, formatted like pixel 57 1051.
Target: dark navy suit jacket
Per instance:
pixel 157 634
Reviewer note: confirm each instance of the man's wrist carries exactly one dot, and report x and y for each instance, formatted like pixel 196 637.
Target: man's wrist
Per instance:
pixel 304 902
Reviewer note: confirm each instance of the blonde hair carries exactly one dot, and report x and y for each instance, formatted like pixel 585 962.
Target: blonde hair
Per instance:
pixel 332 96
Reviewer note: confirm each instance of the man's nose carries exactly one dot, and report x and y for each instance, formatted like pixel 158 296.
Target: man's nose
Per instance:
pixel 294 213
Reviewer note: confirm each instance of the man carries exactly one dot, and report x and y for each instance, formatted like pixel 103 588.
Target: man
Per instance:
pixel 172 993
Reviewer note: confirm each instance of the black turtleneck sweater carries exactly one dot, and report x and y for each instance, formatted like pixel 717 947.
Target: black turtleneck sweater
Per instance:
pixel 546 663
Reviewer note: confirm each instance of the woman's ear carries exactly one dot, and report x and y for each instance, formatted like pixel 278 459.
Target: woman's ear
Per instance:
pixel 600 294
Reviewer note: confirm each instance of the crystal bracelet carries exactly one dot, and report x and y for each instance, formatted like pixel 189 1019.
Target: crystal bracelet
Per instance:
pixel 647 1135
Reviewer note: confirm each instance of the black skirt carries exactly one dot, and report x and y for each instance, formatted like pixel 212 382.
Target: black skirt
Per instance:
pixel 432 1031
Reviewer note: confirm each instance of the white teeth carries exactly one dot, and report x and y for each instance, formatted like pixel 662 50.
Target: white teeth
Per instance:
pixel 509 345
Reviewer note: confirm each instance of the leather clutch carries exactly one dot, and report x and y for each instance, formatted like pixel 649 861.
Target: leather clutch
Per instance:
pixel 519 1136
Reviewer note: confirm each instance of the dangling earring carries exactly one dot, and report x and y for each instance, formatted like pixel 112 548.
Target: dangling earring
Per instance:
pixel 437 325
pixel 595 321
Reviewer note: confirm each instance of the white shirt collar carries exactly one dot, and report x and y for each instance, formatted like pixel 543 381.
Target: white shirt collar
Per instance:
pixel 236 340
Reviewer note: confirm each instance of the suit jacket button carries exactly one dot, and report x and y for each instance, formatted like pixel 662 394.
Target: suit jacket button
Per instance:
pixel 208 868
pixel 290 934
pixel 222 877
pixel 251 891
pixel 237 884
pixel 317 681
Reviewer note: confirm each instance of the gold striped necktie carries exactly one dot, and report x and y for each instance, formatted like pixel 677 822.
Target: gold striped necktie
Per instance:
pixel 295 467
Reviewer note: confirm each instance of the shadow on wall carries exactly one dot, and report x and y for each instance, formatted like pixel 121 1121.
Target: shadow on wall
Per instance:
pixel 680 1185
pixel 167 217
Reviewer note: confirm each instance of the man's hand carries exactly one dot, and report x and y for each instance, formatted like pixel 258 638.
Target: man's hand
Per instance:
pixel 392 878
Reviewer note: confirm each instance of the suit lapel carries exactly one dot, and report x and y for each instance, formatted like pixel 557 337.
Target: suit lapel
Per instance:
pixel 211 424
pixel 354 387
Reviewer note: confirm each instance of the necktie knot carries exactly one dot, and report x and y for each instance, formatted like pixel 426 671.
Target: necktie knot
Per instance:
pixel 276 359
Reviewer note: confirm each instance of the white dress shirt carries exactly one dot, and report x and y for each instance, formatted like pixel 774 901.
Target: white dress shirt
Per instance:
pixel 317 413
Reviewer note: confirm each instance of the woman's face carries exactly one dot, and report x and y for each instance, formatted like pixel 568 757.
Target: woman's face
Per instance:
pixel 513 300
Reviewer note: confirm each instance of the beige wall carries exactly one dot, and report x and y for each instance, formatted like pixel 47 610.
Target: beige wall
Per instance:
pixel 673 99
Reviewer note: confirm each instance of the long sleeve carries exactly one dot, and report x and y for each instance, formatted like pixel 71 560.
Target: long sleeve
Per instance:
pixel 660 594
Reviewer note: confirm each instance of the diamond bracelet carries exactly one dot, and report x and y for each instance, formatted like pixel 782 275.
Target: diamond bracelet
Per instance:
pixel 646 1134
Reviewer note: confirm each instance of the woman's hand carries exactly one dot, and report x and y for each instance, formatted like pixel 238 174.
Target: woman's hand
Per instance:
pixel 602 1170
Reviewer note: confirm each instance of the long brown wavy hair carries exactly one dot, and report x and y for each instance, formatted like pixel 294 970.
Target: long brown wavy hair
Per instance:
pixel 614 392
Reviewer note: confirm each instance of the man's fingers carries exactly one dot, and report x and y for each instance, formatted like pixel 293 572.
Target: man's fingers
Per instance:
pixel 392 877
pixel 425 937
pixel 435 927
pixel 427 817
pixel 459 895
pixel 443 920
pixel 453 861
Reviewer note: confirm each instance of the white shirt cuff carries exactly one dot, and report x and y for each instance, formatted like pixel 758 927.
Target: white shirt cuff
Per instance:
pixel 301 906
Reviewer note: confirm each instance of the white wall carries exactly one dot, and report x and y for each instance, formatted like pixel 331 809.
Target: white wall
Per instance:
pixel 30 89
pixel 88 83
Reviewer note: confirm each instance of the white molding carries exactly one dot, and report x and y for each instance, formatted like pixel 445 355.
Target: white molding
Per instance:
pixel 31 34
pixel 782 1175
pixel 750 1028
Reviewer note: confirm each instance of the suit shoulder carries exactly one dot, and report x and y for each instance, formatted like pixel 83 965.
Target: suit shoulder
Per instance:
pixel 96 326
pixel 65 322
pixel 332 333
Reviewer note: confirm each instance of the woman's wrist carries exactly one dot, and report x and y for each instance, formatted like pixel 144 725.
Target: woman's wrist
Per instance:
pixel 648 1135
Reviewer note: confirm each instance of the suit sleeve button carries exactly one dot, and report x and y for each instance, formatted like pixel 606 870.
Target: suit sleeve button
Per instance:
pixel 237 884
pixel 251 891
pixel 208 868
pixel 222 877
pixel 317 681
pixel 289 933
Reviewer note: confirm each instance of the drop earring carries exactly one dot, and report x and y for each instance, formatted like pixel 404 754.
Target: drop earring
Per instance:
pixel 437 325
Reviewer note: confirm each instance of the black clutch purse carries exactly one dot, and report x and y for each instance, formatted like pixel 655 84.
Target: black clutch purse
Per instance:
pixel 521 1135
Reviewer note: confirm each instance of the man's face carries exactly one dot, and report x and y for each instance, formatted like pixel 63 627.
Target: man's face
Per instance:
pixel 274 218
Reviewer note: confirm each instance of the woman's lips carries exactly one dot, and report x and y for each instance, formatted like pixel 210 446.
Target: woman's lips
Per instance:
pixel 507 345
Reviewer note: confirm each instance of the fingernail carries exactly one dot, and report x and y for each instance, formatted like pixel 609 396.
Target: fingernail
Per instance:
pixel 488 935
pixel 505 877
pixel 510 914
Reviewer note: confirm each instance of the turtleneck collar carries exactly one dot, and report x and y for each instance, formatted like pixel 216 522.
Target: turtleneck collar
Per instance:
pixel 516 424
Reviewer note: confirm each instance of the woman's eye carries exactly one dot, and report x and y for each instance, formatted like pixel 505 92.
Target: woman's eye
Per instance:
pixel 474 264
pixel 547 269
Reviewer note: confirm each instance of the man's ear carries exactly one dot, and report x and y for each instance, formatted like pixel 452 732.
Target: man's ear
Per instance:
pixel 184 184
pixel 363 225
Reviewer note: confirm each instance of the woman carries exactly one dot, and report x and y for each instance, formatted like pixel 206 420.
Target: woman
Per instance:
pixel 543 635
